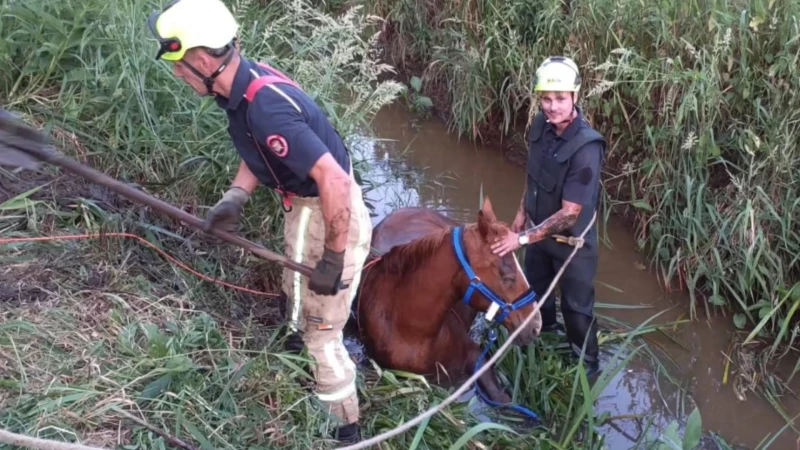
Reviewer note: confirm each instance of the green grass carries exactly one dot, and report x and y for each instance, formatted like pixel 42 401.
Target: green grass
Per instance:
pixel 696 98
pixel 113 331
pixel 95 331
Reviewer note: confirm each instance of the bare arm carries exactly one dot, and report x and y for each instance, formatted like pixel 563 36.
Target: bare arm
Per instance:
pixel 245 179
pixel 334 191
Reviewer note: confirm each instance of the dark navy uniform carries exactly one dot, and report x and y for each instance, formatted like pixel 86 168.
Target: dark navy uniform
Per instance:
pixel 565 167
pixel 280 133
pixel 292 132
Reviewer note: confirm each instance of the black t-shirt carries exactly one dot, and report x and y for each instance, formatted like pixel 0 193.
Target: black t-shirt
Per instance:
pixel 291 130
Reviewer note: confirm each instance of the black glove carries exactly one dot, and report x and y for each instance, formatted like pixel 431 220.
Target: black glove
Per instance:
pixel 226 213
pixel 327 273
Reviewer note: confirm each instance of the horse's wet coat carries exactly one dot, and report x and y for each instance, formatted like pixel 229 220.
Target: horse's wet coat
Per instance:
pixel 409 309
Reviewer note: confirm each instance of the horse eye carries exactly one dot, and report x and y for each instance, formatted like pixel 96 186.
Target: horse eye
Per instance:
pixel 508 269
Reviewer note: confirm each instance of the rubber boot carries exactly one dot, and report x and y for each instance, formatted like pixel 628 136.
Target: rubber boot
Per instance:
pixel 582 328
pixel 550 319
pixel 348 434
pixel 294 343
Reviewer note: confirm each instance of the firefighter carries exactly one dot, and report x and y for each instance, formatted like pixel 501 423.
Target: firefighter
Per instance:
pixel 562 192
pixel 286 143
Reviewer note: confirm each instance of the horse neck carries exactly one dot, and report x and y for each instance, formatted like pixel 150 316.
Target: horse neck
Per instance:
pixel 441 292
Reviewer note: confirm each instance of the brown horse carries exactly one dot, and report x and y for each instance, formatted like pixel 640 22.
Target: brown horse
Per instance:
pixel 410 309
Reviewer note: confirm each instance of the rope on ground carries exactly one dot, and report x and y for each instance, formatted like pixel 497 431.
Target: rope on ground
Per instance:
pixel 467 384
pixel 10 438
pixel 147 243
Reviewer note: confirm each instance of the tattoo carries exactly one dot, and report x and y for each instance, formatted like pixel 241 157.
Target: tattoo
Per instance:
pixel 558 222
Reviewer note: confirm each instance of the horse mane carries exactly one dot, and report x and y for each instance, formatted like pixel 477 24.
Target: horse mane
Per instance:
pixel 402 260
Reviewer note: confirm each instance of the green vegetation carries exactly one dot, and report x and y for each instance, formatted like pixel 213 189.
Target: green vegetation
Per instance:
pixel 696 98
pixel 92 330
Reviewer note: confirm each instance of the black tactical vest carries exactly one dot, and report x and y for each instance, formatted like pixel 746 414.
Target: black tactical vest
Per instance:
pixel 547 173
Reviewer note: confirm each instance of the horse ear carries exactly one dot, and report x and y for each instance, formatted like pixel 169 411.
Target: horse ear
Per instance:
pixel 486 217
pixel 487 210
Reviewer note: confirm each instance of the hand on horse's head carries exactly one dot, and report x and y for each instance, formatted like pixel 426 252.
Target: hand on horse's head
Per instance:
pixel 503 240
pixel 506 244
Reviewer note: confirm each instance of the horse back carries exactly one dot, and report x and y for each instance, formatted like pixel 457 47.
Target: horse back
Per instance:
pixel 405 225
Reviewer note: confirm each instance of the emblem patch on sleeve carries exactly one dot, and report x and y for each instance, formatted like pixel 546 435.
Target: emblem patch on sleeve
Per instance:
pixel 278 145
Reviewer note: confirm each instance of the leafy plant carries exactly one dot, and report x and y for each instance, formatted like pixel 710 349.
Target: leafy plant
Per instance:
pixel 419 103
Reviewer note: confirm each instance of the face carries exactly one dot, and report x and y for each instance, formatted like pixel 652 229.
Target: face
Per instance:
pixel 557 106
pixel 503 275
pixel 199 60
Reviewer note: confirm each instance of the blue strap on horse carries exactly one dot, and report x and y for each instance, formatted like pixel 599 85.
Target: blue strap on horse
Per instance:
pixel 475 283
pixel 497 304
pixel 518 408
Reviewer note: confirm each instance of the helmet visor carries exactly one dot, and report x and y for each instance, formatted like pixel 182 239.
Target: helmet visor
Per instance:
pixel 165 45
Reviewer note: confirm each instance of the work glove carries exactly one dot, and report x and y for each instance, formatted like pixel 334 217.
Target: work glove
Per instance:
pixel 225 215
pixel 327 273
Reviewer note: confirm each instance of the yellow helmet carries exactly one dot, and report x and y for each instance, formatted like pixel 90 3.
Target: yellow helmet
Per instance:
pixel 185 24
pixel 557 74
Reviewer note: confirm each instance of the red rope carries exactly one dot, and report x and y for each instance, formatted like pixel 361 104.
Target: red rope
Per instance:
pixel 144 241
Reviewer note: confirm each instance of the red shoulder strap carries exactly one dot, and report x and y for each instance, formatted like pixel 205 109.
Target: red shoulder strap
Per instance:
pixel 262 81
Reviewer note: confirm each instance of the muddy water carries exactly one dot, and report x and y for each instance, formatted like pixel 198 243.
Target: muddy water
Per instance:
pixel 419 163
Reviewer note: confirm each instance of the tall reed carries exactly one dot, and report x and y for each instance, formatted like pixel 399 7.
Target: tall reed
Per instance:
pixel 696 98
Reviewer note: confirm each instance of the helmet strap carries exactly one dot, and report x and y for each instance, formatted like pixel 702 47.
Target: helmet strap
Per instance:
pixel 209 80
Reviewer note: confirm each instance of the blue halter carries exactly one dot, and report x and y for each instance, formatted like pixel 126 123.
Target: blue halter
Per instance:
pixel 497 304
pixel 475 283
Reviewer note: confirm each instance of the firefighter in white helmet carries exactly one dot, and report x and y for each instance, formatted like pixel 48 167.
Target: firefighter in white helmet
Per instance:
pixel 286 143
pixel 562 193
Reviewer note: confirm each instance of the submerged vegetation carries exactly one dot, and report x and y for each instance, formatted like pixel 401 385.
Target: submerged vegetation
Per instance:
pixel 696 98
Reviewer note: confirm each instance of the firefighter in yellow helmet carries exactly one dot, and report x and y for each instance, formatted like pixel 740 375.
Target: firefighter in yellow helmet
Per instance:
pixel 285 142
pixel 565 156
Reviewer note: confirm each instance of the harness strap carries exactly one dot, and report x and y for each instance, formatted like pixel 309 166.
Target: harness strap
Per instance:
pixel 264 80
pixel 496 303
pixel 254 86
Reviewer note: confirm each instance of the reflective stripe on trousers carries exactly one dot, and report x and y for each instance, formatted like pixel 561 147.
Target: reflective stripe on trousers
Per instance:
pixel 322 318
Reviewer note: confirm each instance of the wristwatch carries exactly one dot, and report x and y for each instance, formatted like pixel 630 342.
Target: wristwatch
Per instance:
pixel 523 239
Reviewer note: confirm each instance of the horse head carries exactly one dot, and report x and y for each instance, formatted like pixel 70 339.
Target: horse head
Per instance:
pixel 503 277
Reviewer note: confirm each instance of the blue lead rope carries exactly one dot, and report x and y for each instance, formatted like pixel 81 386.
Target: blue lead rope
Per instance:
pixel 518 408
pixel 475 284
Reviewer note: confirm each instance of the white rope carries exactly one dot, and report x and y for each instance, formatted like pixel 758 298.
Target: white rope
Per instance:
pixel 8 437
pixel 467 384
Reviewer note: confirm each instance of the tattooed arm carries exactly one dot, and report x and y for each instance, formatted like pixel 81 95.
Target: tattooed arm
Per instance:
pixel 519 221
pixel 580 183
pixel 558 222
pixel 334 192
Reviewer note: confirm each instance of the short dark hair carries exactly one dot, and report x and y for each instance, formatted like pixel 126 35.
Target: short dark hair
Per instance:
pixel 222 51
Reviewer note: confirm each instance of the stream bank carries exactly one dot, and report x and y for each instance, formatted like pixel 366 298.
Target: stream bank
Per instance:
pixel 415 162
